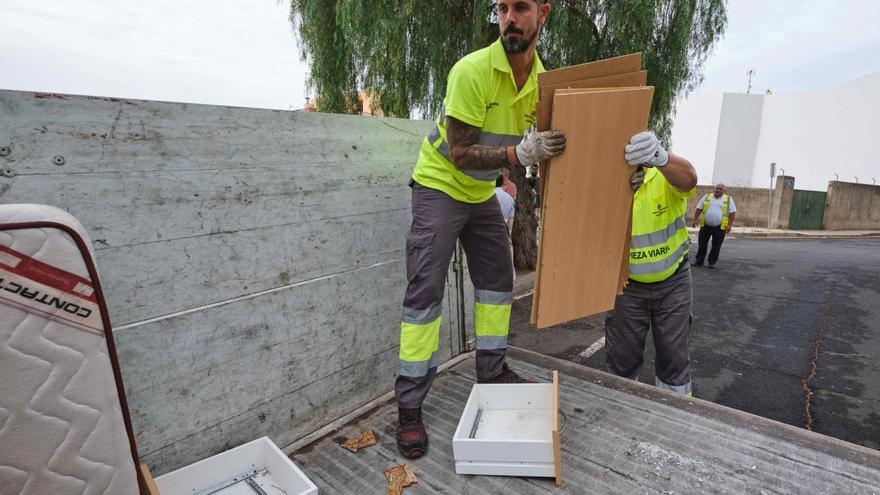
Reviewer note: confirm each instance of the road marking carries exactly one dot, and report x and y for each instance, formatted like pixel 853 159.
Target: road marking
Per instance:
pixel 593 349
pixel 527 294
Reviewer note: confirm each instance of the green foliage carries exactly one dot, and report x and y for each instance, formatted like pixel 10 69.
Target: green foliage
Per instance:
pixel 403 49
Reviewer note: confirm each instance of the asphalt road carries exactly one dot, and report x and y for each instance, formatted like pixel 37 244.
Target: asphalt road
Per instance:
pixel 769 315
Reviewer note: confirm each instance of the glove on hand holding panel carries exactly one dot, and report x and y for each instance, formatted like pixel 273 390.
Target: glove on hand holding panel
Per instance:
pixel 644 149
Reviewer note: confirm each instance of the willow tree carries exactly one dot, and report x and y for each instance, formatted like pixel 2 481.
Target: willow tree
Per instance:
pixel 402 50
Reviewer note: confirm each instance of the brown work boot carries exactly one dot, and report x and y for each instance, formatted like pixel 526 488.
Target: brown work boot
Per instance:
pixel 412 438
pixel 508 376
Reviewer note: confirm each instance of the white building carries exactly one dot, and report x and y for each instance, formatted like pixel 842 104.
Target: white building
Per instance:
pixel 733 138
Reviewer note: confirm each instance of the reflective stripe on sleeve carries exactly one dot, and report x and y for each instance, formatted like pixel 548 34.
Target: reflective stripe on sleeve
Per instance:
pixel 498 140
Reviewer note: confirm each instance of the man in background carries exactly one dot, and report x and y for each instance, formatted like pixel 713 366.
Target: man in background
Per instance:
pixel 535 183
pixel 508 209
pixel 715 212
pixel 506 202
pixel 508 185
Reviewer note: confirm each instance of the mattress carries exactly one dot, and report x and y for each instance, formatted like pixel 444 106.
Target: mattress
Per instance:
pixel 63 419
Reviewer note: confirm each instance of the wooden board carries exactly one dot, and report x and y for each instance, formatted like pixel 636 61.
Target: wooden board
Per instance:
pixel 545 101
pixel 557 447
pixel 588 203
pixel 590 70
pixel 544 113
pixel 624 266
pixel 151 487
pixel 545 174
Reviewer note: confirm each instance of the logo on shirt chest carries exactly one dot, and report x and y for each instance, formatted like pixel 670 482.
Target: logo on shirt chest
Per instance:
pixel 661 209
pixel 492 105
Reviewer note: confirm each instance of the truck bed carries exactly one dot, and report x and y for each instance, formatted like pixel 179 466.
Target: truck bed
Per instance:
pixel 620 437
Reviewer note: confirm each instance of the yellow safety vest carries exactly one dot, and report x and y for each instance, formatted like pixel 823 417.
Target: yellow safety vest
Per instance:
pixel 724 207
pixel 481 92
pixel 659 233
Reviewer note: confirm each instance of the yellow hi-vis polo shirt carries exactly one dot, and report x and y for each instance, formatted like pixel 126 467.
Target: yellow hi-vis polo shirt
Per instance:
pixel 659 234
pixel 481 92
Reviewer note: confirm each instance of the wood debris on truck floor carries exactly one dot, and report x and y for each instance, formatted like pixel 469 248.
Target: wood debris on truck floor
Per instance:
pixel 399 477
pixel 364 440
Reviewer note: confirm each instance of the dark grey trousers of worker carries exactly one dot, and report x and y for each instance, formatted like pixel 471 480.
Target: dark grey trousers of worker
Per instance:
pixel 717 235
pixel 664 309
pixel 438 222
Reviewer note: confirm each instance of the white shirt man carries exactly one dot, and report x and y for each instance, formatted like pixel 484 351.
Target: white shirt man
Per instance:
pixel 715 222
pixel 714 211
pixel 506 203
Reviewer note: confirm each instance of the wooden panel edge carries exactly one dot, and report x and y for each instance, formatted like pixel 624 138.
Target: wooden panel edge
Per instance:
pixel 152 489
pixel 579 91
pixel 624 266
pixel 546 91
pixel 536 290
pixel 557 444
pixel 639 78
pixel 597 68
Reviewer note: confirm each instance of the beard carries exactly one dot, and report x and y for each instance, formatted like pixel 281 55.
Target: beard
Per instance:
pixel 516 45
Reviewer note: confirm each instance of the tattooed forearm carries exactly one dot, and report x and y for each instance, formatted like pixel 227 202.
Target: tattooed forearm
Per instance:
pixel 466 154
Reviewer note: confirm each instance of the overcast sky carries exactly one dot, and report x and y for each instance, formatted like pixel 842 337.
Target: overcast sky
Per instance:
pixel 244 52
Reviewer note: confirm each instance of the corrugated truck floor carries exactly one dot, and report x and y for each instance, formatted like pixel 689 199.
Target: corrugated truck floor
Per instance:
pixel 621 437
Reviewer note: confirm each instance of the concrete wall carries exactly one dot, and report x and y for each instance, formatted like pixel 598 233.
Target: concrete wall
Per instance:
pixel 851 206
pixel 253 260
pixel 810 135
pixel 695 135
pixel 815 135
pixel 738 134
pixel 783 196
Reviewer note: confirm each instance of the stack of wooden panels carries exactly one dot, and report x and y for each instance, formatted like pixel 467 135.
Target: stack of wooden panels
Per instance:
pixel 587 199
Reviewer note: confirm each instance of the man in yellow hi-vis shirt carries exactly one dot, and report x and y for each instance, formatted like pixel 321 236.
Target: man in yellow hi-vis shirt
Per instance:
pixel 659 294
pixel 490 102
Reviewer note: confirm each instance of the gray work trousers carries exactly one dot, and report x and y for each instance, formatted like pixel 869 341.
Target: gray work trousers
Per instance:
pixel 438 222
pixel 664 308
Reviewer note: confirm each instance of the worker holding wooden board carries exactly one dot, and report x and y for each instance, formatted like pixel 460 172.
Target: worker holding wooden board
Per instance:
pixel 659 295
pixel 490 102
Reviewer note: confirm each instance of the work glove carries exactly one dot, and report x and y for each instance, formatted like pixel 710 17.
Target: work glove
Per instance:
pixel 637 178
pixel 539 146
pixel 644 149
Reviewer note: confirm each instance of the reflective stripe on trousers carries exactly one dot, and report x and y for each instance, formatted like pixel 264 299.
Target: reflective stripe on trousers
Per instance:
pixel 492 318
pixel 419 340
pixel 679 389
